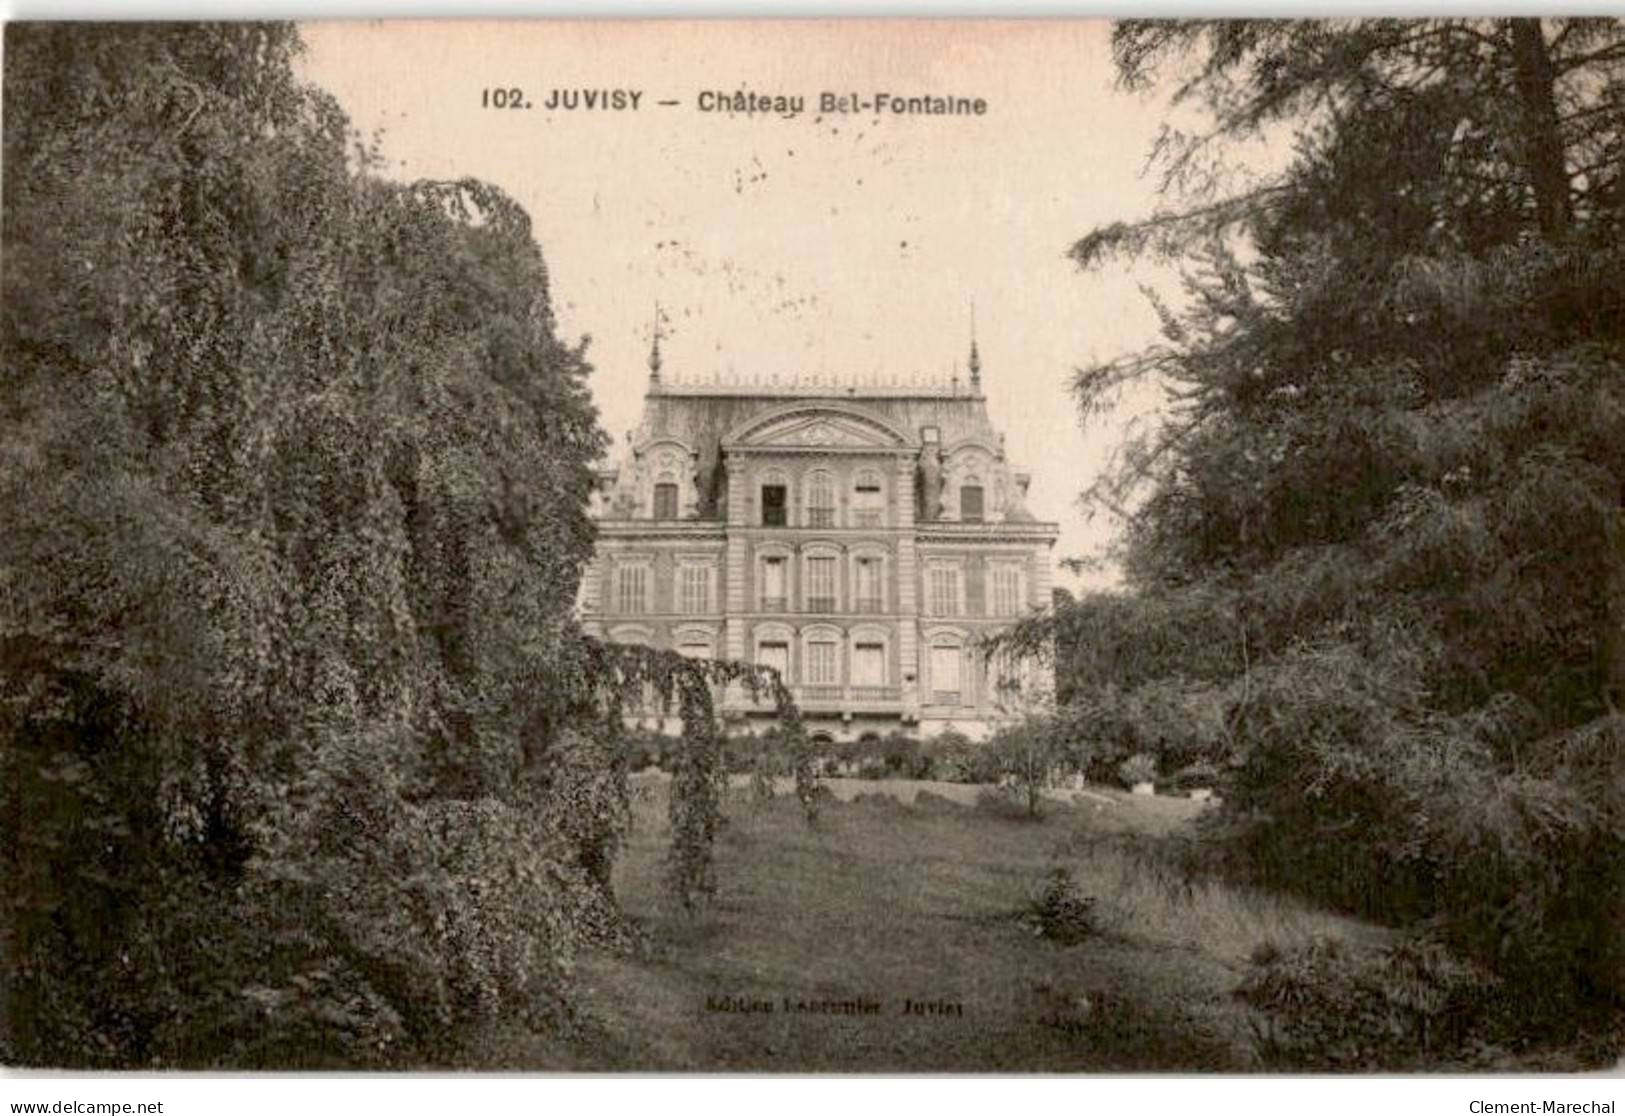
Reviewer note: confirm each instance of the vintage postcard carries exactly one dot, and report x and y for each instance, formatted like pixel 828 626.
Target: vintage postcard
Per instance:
pixel 830 547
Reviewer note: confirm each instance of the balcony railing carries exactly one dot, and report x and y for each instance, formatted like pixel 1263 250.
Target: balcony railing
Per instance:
pixel 867 517
pixel 869 605
pixel 826 694
pixel 775 604
pixel 820 604
pixel 820 517
pixel 944 697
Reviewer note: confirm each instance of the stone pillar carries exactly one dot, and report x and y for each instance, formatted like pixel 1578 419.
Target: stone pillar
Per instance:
pixel 735 558
pixel 905 585
pixel 589 597
pixel 1043 579
pixel 735 562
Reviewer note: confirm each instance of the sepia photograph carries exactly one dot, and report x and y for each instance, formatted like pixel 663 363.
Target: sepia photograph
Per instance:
pixel 816 547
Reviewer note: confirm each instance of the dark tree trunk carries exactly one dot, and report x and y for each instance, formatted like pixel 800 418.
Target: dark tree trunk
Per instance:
pixel 1543 146
pixel 1614 641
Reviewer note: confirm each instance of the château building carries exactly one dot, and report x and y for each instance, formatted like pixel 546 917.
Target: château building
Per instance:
pixel 859 539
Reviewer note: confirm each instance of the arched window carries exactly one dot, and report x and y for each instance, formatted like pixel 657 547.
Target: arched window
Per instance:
pixel 773 579
pixel 869 582
pixel 868 500
pixel 694 642
pixel 773 649
pixel 775 504
pixel 819 571
pixel 821 500
pixel 970 500
pixel 821 656
pixel 869 671
pixel 947 683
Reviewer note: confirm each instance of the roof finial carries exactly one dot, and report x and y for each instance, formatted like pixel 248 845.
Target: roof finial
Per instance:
pixel 654 351
pixel 975 357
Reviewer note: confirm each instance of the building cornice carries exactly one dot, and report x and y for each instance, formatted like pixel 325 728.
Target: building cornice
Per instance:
pixel 657 529
pixel 815 392
pixel 987 532
pixel 719 531
pixel 829 451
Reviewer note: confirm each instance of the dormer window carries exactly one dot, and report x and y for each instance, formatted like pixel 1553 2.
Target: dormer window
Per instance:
pixel 970 501
pixel 666 500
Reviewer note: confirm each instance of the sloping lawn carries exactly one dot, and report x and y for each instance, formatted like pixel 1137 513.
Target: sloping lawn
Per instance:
pixel 887 939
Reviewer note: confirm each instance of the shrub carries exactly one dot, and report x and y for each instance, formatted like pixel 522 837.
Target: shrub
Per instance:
pixel 1352 795
pixel 1196 776
pixel 646 749
pixel 1138 768
pixel 1328 1006
pixel 1059 912
pixel 873 767
pixel 901 755
pixel 1004 802
pixel 956 758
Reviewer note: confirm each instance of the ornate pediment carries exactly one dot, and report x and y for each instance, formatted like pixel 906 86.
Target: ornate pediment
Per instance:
pixel 817 427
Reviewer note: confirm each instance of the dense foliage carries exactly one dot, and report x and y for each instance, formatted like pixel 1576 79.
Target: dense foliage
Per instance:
pixel 302 759
pixel 1376 552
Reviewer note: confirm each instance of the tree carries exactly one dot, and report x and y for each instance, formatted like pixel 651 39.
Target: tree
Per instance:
pixel 304 760
pixel 1387 495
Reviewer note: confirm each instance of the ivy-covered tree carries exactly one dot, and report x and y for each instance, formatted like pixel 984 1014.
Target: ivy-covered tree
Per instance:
pixel 302 758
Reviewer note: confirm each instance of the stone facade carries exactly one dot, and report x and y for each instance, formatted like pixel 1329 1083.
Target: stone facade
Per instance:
pixel 859 539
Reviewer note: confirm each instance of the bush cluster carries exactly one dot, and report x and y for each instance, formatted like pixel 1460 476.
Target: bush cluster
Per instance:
pixel 1330 1007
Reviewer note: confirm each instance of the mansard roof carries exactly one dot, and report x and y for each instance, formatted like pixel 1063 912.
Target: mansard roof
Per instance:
pixel 817 422
pixel 705 417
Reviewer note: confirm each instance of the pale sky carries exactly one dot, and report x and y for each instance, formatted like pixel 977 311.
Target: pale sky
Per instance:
pixel 840 246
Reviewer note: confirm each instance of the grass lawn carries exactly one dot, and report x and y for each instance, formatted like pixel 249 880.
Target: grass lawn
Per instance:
pixel 887 939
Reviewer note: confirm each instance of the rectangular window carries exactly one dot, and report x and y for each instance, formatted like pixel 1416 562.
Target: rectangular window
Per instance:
pixel 868 664
pixel 773 505
pixel 1006 590
pixel 821 664
pixel 867 590
pixel 945 674
pixel 944 591
pixel 665 501
pixel 775 655
pixel 970 503
pixel 631 588
pixel 821 584
pixel 773 585
pixel 696 588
